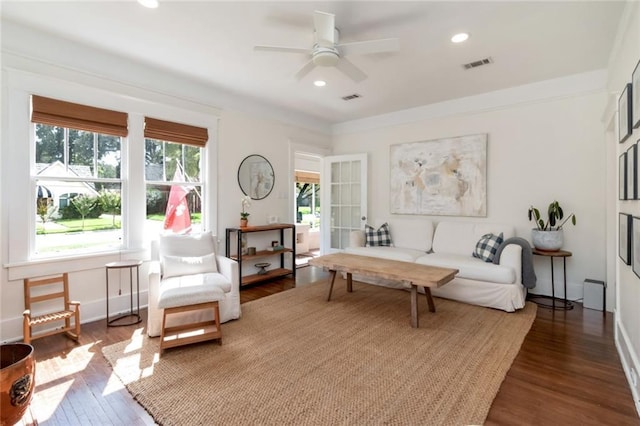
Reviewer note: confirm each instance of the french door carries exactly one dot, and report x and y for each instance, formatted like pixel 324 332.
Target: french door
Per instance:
pixel 344 199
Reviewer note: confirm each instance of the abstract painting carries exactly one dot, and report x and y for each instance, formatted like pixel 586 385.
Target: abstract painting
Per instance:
pixel 446 177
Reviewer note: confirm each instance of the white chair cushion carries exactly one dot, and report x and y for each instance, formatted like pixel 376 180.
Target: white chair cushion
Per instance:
pixel 175 266
pixel 187 245
pixel 192 289
pixel 470 267
pixel 391 253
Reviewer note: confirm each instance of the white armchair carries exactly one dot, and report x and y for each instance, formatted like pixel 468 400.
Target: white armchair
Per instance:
pixel 173 267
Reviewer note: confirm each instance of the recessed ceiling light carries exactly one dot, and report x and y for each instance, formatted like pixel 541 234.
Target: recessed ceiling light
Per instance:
pixel 151 4
pixel 459 38
pixel 319 83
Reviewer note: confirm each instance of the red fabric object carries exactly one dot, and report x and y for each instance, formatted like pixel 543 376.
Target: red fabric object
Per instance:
pixel 177 217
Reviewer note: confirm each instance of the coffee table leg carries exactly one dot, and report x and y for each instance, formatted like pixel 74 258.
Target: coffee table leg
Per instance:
pixel 349 282
pixel 414 306
pixel 332 278
pixel 432 306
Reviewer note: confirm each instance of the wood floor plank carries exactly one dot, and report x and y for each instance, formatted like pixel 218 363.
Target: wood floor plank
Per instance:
pixel 567 372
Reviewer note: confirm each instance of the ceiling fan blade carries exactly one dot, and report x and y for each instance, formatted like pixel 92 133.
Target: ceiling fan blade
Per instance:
pixel 282 49
pixel 306 69
pixel 370 46
pixel 325 25
pixel 350 70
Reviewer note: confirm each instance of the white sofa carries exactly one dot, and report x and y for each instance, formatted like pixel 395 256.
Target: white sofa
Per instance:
pixel 450 245
pixel 226 278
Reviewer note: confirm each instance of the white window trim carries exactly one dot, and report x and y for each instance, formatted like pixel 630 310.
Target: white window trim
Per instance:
pixel 17 152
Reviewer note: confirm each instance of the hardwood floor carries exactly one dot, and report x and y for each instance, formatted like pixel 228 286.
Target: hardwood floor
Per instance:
pixel 567 372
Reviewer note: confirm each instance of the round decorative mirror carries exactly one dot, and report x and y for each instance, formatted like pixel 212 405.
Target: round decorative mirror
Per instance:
pixel 255 177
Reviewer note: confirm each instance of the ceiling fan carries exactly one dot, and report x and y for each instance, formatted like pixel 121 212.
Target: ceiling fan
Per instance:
pixel 328 52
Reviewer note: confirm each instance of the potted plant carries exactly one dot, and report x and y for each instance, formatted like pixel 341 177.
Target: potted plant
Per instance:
pixel 548 236
pixel 244 214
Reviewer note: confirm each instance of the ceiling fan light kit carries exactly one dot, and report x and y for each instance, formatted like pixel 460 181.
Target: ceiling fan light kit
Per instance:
pixel 327 52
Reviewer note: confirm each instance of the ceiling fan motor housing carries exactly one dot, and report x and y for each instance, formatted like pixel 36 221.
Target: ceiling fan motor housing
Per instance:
pixel 325 56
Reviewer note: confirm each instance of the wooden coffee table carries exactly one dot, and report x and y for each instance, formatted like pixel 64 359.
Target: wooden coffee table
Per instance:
pixel 410 274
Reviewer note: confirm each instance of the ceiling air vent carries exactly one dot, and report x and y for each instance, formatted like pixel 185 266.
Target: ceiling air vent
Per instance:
pixel 351 97
pixel 478 63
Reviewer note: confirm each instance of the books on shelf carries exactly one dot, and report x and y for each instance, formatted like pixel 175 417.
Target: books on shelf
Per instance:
pixel 275 248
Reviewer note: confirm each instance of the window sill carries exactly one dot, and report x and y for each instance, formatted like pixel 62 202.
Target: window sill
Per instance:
pixel 72 263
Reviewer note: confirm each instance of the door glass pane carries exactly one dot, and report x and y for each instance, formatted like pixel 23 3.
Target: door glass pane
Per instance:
pixel 344 238
pixel 335 194
pixel 355 217
pixel 335 217
pixel 355 171
pixel 335 238
pixel 345 168
pixel 355 194
pixel 345 217
pixel 345 193
pixel 335 172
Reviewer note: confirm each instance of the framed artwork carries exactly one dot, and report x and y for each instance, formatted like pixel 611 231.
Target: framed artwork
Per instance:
pixel 622 176
pixel 635 250
pixel 635 95
pixel 624 114
pixel 632 172
pixel 624 237
pixel 446 177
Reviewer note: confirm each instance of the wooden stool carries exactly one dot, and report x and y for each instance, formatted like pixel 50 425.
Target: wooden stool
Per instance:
pixel 186 334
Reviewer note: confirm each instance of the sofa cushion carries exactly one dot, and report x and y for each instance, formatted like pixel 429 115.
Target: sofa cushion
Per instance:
pixel 174 266
pixel 411 233
pixel 377 237
pixel 391 253
pixel 487 247
pixel 192 289
pixel 470 267
pixel 461 237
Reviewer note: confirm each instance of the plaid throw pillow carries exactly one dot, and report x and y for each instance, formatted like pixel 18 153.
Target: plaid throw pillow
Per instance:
pixel 377 237
pixel 487 247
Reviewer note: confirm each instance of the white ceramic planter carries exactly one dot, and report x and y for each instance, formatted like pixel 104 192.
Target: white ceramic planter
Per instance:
pixel 547 240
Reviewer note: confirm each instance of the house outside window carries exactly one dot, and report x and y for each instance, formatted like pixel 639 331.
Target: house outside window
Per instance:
pixel 77 180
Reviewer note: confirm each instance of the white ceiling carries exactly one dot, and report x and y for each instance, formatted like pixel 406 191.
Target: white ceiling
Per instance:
pixel 212 42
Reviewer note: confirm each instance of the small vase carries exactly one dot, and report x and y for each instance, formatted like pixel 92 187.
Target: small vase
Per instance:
pixel 244 223
pixel 547 240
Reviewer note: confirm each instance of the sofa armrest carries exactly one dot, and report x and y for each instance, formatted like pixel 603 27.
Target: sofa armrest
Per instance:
pixel 512 257
pixel 153 312
pixel 229 269
pixel 357 238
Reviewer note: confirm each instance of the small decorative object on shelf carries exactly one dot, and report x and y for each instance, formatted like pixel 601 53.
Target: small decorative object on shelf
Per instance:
pixel 262 266
pixel 548 236
pixel 244 214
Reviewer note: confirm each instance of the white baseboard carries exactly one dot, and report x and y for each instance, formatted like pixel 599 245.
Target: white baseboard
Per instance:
pixel 630 362
pixel 89 312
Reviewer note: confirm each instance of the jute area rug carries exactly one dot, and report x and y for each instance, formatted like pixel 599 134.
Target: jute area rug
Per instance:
pixel 294 358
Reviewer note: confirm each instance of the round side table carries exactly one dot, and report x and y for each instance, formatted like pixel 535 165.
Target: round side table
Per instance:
pixel 135 317
pixel 555 303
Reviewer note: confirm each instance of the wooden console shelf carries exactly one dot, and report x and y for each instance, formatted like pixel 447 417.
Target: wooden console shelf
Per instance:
pixel 261 254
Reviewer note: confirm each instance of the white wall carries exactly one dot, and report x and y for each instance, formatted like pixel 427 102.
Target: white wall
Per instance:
pixel 622 63
pixel 538 151
pixel 244 128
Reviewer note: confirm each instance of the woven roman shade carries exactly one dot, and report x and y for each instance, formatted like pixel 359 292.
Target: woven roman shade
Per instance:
pixel 307 177
pixel 76 116
pixel 175 132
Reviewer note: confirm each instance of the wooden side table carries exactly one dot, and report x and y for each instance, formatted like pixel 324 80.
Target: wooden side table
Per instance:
pixel 562 303
pixel 135 316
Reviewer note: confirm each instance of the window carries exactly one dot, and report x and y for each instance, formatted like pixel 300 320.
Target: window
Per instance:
pixel 77 178
pixel 174 176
